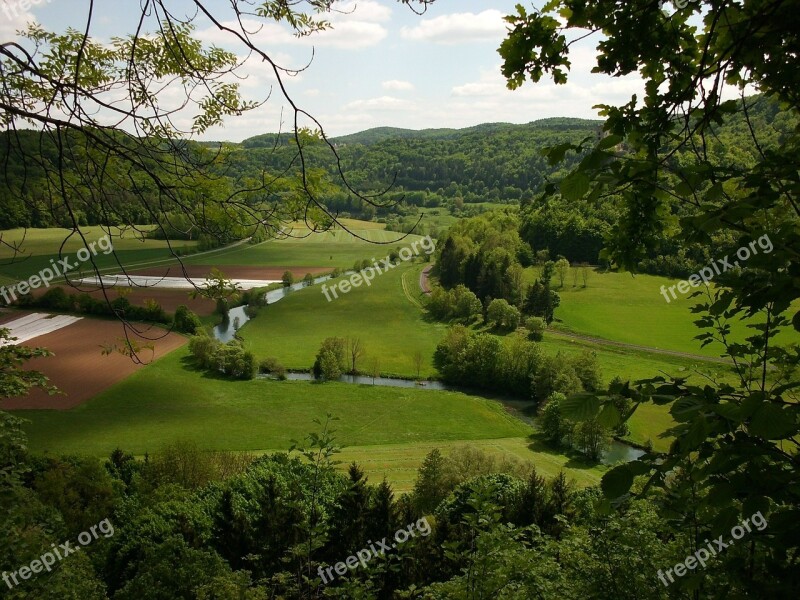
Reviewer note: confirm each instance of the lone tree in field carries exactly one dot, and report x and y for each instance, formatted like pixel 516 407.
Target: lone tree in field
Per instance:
pixel 355 350
pixel 562 268
pixel 287 279
pixel 419 360
pixel 375 369
pixel 331 361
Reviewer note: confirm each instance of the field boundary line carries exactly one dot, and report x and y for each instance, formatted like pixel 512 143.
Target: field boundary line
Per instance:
pixel 625 345
pixel 406 290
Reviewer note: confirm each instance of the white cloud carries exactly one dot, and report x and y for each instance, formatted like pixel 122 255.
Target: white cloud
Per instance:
pixel 398 86
pixel 362 10
pixel 313 92
pixel 457 28
pixel 346 34
pixel 382 103
pixel 12 19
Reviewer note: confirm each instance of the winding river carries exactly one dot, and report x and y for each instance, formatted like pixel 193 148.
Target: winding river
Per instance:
pixel 226 331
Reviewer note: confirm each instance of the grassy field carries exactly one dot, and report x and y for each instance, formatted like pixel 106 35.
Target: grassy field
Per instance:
pixel 335 248
pixel 38 246
pixel 389 429
pixel 390 323
pixel 390 326
pixel 388 319
pixel 631 309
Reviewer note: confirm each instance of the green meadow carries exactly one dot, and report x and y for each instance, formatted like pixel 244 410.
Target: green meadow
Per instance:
pixel 387 317
pixel 389 430
pixel 391 327
pixel 334 248
pixel 36 247
pixel 630 309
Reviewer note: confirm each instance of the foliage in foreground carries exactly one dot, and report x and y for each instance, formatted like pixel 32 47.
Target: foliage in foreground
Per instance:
pixel 192 524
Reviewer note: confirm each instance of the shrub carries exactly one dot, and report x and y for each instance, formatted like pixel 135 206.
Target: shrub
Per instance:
pixel 185 320
pixel 331 360
pixel 287 279
pixel 535 327
pixel 587 369
pixel 502 315
pixel 553 425
pixel 56 299
pixel 231 358
pixel 272 366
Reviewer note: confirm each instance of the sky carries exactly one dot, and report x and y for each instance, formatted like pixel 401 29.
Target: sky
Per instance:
pixel 380 65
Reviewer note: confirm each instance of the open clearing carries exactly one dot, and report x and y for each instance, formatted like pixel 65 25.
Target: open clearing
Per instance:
pixel 336 248
pixel 399 462
pixel 387 430
pixel 232 271
pixel 79 369
pixel 37 246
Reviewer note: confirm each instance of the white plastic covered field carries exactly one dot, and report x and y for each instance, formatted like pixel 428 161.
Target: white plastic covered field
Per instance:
pixel 36 324
pixel 178 283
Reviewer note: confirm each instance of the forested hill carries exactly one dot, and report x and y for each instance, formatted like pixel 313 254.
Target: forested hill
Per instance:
pixel 381 134
pixel 455 169
pixel 490 162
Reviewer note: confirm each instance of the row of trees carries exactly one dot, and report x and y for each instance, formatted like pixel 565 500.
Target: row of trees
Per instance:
pixel 57 299
pixel 230 359
pixel 512 365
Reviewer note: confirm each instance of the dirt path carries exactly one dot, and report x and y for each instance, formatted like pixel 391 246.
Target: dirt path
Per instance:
pixel 423 280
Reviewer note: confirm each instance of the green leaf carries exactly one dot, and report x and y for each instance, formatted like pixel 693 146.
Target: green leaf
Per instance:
pixel 609 416
pixel 696 435
pixel 684 409
pixel 555 154
pixel 772 422
pixel 617 481
pixel 574 186
pixel 580 407
pixel 609 141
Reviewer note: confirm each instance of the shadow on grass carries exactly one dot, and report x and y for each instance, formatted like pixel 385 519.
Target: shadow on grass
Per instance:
pixel 575 459
pixel 188 364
